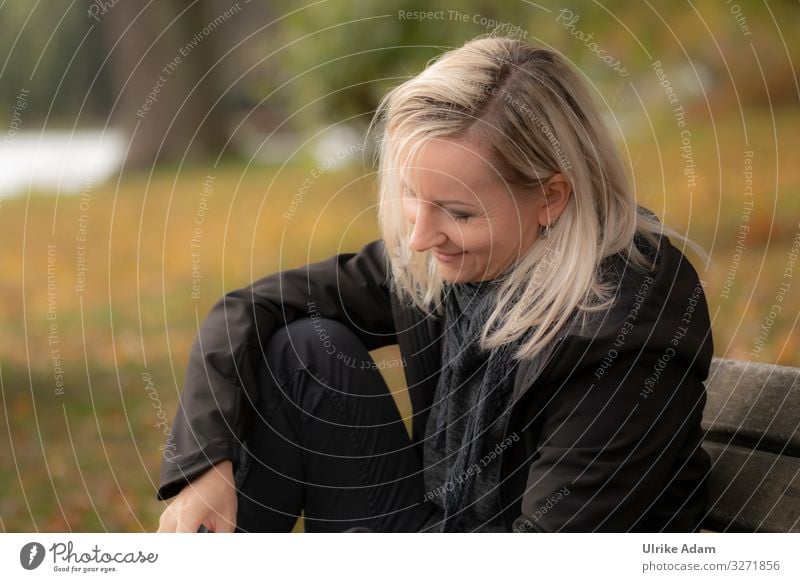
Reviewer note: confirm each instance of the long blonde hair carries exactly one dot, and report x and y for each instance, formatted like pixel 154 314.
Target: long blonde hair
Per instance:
pixel 537 117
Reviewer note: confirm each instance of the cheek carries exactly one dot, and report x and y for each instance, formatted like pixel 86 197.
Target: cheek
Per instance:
pixel 477 239
pixel 493 241
pixel 515 228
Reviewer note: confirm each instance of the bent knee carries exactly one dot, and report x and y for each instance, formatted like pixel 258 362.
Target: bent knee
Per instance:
pixel 308 340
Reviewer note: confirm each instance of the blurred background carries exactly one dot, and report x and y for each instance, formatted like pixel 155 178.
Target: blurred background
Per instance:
pixel 154 156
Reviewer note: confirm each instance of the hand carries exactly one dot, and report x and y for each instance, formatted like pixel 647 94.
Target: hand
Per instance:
pixel 210 499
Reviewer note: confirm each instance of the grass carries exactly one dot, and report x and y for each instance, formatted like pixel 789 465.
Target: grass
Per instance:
pixel 87 459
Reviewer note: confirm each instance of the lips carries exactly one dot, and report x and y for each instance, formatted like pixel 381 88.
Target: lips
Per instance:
pixel 447 257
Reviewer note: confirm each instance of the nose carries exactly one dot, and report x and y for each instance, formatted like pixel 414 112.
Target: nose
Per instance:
pixel 426 233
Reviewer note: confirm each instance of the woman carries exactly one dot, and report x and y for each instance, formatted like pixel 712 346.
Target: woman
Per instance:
pixel 554 341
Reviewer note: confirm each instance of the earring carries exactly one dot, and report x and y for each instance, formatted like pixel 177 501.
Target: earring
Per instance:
pixel 545 230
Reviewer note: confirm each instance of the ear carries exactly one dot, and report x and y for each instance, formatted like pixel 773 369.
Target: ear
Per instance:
pixel 556 192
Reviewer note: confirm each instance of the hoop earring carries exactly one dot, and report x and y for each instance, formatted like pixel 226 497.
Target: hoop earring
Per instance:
pixel 544 231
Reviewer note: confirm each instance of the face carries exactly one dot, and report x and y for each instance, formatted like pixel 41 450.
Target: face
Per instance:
pixel 465 214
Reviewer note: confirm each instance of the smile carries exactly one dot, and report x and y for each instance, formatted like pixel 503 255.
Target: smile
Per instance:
pixel 447 258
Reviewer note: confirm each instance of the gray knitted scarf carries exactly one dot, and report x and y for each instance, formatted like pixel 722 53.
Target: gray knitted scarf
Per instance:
pixel 467 308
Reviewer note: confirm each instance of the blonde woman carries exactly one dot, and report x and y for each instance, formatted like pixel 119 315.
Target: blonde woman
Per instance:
pixel 553 339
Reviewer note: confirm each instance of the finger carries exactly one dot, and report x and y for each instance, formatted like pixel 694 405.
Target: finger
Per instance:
pixel 166 523
pixel 226 524
pixel 187 524
pixel 221 522
pixel 228 517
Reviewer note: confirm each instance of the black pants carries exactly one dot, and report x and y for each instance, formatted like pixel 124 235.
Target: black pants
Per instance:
pixel 329 440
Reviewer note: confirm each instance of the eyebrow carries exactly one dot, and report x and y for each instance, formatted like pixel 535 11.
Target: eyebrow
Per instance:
pixel 441 201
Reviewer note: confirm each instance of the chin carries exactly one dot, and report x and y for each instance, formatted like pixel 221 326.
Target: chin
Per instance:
pixel 455 276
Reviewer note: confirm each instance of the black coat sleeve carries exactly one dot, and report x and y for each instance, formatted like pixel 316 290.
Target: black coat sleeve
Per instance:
pixel 610 443
pixel 209 424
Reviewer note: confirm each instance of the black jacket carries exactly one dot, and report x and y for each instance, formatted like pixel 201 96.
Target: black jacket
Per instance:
pixel 609 431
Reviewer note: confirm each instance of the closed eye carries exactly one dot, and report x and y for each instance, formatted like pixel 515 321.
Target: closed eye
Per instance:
pixel 456 217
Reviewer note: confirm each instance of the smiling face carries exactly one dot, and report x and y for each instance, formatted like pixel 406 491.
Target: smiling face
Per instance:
pixel 473 222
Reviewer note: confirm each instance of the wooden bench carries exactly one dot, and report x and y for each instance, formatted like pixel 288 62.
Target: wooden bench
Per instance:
pixel 751 419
